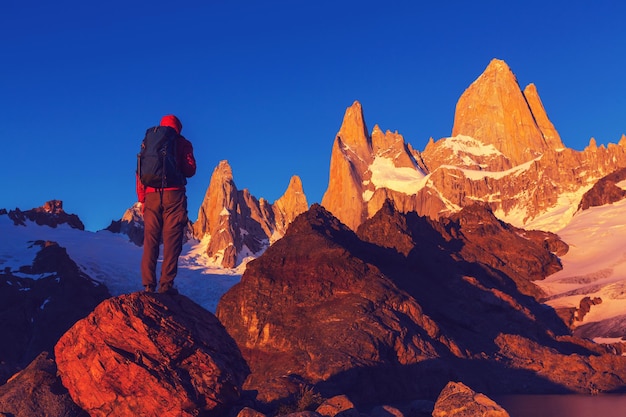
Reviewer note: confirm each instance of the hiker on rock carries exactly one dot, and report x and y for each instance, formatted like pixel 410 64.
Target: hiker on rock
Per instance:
pixel 163 165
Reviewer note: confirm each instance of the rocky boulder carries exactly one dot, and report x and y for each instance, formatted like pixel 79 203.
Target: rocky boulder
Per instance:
pixel 459 400
pixel 37 391
pixel 150 354
pixel 40 302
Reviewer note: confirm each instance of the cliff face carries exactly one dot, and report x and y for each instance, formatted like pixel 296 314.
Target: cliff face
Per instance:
pixel 237 224
pixel 504 151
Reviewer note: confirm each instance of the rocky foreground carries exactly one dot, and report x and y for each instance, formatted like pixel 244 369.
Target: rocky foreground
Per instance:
pixel 407 311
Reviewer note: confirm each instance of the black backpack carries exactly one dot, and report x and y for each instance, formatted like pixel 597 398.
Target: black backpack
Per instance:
pixel 156 162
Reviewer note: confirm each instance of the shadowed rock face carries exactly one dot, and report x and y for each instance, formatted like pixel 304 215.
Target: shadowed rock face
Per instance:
pixel 605 191
pixel 35 312
pixel 37 391
pixel 403 306
pixel 150 354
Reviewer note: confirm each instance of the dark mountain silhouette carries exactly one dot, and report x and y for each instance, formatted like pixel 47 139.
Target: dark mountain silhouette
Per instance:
pixel 406 304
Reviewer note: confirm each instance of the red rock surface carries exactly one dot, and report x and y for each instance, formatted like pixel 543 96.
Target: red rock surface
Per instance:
pixel 494 110
pixel 459 400
pixel 37 391
pixel 145 354
pixel 397 310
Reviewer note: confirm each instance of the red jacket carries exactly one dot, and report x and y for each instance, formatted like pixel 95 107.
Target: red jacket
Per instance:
pixel 186 163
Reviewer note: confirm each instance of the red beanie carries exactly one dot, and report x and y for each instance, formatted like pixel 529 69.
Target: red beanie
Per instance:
pixel 172 121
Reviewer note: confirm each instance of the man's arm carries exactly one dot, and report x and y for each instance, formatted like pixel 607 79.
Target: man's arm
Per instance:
pixel 187 162
pixel 141 189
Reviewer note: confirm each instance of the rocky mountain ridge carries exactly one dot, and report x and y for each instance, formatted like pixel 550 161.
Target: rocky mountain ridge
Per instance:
pixel 503 151
pixel 238 224
pixel 405 299
pixel 389 314
pixel 406 283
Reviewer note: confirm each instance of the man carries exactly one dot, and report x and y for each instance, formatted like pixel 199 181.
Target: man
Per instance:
pixel 164 207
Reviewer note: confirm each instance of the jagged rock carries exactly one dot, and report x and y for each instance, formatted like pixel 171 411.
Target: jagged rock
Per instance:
pixel 338 405
pixel 150 354
pixel 605 191
pixel 458 400
pixel 551 136
pixel 37 391
pixel 289 321
pixel 592 373
pixel 237 223
pixel 585 306
pixel 39 303
pixel 504 151
pixel 359 164
pixel 289 206
pixel 406 300
pixel 50 214
pixel 250 412
pixel 131 224
pixel 494 111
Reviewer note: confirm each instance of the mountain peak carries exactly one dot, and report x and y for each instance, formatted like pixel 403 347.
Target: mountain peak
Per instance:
pixel 498 65
pixel 495 111
pixel 353 131
pixel 552 137
pixel 290 204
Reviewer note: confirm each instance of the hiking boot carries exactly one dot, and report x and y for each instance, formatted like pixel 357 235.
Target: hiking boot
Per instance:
pixel 148 288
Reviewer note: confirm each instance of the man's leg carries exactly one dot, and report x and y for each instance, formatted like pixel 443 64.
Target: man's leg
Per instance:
pixel 153 224
pixel 174 223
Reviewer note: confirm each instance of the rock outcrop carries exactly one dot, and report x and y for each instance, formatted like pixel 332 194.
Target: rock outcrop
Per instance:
pixel 37 391
pixel 504 151
pixel 50 214
pixel 239 225
pixel 393 312
pixel 494 111
pixel 39 302
pixel 459 400
pixel 150 354
pixel 605 191
pixel 131 224
pixel 360 164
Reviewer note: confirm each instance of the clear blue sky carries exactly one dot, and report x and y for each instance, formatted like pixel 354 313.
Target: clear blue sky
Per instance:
pixel 265 84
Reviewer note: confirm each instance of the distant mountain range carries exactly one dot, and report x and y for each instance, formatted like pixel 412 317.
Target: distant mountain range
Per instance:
pixel 497 244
